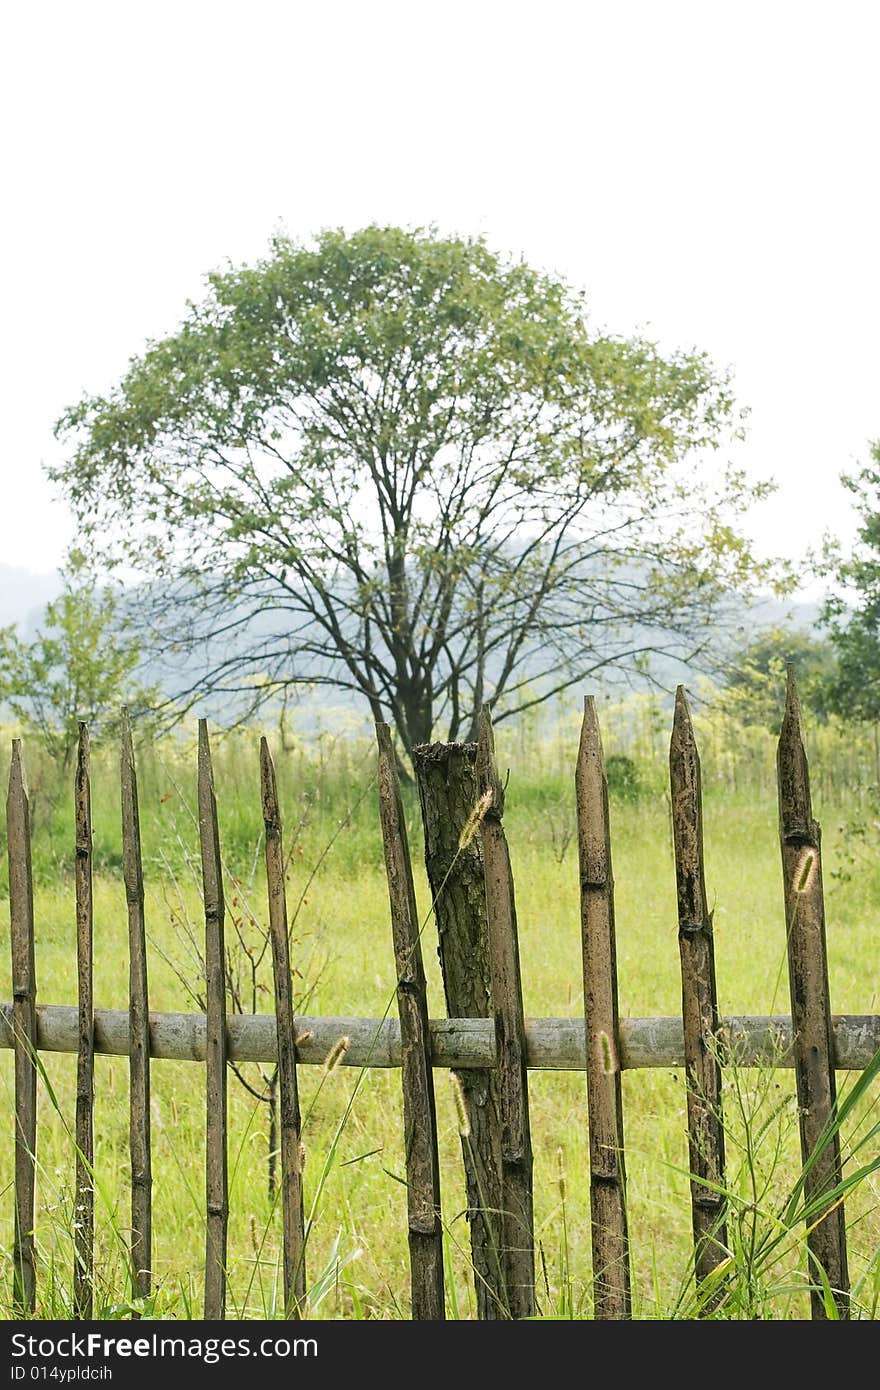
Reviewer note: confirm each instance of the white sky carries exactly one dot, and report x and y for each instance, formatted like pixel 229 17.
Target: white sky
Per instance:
pixel 707 171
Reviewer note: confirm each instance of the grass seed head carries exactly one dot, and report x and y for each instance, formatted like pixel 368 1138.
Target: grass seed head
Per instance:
pixel 464 1124
pixel 475 819
pixel 609 1061
pixel 560 1171
pixel 336 1054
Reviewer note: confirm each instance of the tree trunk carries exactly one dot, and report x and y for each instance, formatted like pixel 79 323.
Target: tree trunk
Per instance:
pixel 448 791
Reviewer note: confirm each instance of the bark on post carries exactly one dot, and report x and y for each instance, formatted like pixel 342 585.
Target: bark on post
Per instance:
pixel 292 1216
pixel 139 1027
pixel 699 998
pixel 611 1264
pixel 800 839
pixel 24 1030
pixel 84 1230
pixel 448 793
pixel 216 1186
pixel 516 1143
pixel 419 1115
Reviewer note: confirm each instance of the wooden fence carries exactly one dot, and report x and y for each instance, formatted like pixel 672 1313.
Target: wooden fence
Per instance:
pixel 485 1040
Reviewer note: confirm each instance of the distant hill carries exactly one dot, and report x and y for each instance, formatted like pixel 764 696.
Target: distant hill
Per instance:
pixel 24 595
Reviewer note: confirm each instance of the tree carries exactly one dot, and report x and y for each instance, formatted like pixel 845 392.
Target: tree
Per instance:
pixel 395 464
pixel 852 612
pixel 81 665
pixel 755 676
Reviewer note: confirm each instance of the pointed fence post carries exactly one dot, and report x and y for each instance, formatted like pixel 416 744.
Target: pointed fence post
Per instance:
pixel 419 1115
pixel 510 1036
pixel 610 1240
pixel 800 839
pixel 138 1026
pixel 216 1184
pixel 24 1030
pixel 84 1232
pixel 292 1217
pixel 699 999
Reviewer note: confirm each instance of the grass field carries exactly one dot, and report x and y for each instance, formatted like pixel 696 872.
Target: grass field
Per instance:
pixel 357 1252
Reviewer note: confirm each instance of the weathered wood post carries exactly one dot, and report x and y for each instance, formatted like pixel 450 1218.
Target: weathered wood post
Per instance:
pixel 138 1027
pixel 800 839
pixel 24 1030
pixel 610 1239
pixel 448 793
pixel 216 1182
pixel 292 1214
pixel 699 999
pixel 518 1227
pixel 419 1116
pixel 84 1229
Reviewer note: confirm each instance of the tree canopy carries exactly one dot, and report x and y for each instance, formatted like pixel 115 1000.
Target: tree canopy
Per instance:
pixel 852 612
pixel 754 688
pixel 397 464
pixel 82 664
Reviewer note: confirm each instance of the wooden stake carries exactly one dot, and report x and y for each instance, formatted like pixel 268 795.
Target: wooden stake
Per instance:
pixel 292 1218
pixel 216 1186
pixel 800 839
pixel 84 1231
pixel 419 1115
pixel 699 1000
pixel 24 1030
pixel 139 1026
pixel 611 1265
pixel 507 1003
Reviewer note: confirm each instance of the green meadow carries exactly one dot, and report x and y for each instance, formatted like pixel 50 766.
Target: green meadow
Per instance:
pixel 357 1265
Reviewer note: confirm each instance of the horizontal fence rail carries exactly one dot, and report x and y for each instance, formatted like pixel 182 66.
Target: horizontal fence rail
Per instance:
pixel 552 1044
